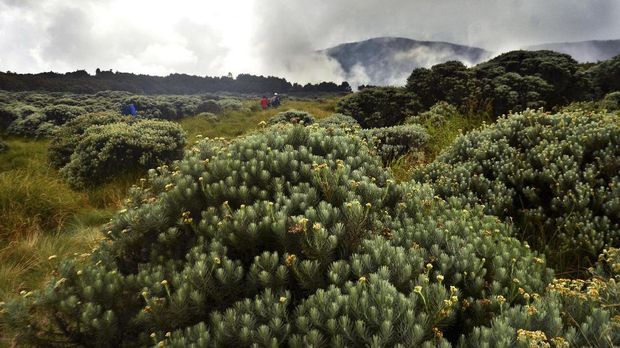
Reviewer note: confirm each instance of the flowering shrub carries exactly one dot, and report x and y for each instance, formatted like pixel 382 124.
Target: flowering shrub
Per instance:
pixel 556 177
pixel 167 107
pixel 290 238
pixel 611 102
pixel 338 121
pixel 210 106
pixel 291 116
pixel 436 116
pixel 573 313
pixel 230 104
pixel 396 141
pixel 106 151
pixel 67 137
pixel 45 122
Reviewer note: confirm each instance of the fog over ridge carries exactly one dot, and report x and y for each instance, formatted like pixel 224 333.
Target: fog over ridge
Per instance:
pixel 277 37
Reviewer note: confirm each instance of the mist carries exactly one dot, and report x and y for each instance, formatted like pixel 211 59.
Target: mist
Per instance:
pixel 275 37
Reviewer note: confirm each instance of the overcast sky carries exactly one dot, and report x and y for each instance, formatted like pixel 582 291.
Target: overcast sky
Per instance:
pixel 271 36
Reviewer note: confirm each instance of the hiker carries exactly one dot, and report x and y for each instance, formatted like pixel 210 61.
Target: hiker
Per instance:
pixel 275 100
pixel 130 109
pixel 264 103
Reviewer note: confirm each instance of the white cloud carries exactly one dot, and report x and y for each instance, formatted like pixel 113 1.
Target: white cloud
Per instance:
pixel 271 36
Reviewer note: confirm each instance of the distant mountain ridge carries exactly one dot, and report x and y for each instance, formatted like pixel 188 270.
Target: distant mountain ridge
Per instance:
pixel 390 60
pixel 583 51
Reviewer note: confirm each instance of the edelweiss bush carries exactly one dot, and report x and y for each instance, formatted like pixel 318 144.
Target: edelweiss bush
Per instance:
pixel 210 106
pixel 574 313
pixel 338 121
pixel 67 137
pixel 107 151
pixel 396 141
pixel 167 107
pixel 611 102
pixel 436 116
pixel 230 104
pixel 292 238
pixel 291 116
pixel 556 177
pixel 44 122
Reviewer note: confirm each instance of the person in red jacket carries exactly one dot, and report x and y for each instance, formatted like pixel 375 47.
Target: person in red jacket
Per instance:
pixel 263 102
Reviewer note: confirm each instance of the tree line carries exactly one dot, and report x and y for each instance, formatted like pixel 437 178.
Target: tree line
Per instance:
pixel 81 81
pixel 511 82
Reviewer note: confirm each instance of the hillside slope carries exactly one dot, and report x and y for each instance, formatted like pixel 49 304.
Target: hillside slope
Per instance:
pixel 389 60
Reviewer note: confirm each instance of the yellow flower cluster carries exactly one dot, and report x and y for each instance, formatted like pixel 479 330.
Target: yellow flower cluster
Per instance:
pixel 585 290
pixel 534 339
pixel 186 218
pixel 290 259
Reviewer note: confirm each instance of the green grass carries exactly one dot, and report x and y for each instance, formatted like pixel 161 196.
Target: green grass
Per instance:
pixel 441 136
pixel 25 154
pixel 27 262
pixel 41 216
pixel 231 124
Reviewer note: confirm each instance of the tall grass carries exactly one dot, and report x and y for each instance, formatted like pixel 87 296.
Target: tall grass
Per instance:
pixel 34 203
pixel 231 124
pixel 441 136
pixel 41 216
pixel 26 262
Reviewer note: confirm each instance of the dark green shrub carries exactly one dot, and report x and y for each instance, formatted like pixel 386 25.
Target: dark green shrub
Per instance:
pixel 606 76
pixel 67 137
pixel 436 116
pixel 396 141
pixel 291 116
pixel 554 176
pixel 61 114
pixel 291 238
pixel 338 121
pixel 33 125
pixel 512 92
pixel 451 82
pixel 167 107
pixel 512 81
pixel 379 107
pixel 558 71
pixel 7 116
pixel 110 150
pixel 152 107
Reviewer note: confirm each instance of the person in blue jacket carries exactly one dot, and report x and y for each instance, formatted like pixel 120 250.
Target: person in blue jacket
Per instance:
pixel 130 109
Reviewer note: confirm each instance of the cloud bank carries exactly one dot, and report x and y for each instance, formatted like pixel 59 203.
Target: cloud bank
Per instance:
pixel 272 37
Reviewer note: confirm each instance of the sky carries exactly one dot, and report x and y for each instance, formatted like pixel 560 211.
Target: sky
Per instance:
pixel 271 37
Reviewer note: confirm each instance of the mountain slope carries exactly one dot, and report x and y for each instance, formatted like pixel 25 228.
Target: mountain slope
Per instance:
pixel 390 60
pixel 583 51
